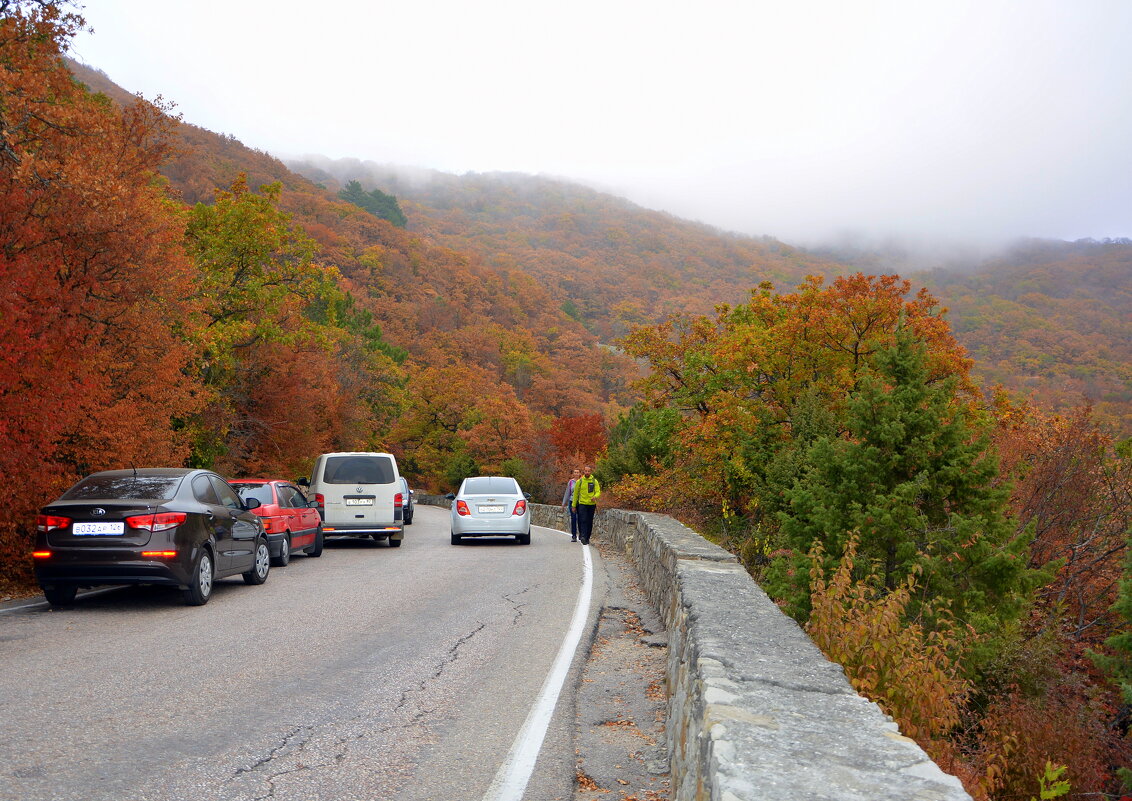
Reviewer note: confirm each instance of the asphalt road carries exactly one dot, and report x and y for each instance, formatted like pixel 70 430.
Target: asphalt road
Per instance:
pixel 369 673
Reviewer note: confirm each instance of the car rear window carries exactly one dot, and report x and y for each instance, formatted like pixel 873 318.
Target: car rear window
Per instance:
pixel 491 485
pixel 261 492
pixel 358 470
pixel 128 486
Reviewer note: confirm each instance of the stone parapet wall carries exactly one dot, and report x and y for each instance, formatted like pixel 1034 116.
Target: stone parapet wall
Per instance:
pixel 755 710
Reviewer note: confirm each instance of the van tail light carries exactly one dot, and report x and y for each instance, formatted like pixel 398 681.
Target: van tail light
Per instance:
pixel 462 509
pixel 520 508
pixel 398 500
pixel 46 523
pixel 320 499
pixel 158 521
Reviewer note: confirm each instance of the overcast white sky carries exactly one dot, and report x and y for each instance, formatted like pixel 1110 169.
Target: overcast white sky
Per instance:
pixel 960 120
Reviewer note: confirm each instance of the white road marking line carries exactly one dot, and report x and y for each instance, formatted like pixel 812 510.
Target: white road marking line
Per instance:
pixel 511 779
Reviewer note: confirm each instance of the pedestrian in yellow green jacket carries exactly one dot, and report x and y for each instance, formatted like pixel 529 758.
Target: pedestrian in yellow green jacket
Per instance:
pixel 586 492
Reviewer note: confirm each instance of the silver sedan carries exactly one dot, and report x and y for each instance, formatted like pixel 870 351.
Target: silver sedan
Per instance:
pixel 490 506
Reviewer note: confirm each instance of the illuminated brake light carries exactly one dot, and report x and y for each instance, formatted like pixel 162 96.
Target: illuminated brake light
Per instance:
pixel 520 508
pixel 159 554
pixel 159 521
pixel 41 554
pixel 46 523
pixel 462 509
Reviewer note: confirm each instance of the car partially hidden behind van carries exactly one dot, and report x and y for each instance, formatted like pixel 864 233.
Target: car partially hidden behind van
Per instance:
pixel 359 494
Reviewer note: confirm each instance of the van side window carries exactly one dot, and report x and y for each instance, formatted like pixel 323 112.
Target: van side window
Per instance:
pixel 359 470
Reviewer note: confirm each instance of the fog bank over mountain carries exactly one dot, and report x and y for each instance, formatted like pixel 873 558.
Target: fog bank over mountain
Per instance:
pixel 958 121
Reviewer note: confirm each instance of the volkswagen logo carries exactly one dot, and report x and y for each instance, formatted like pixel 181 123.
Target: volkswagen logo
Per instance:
pixel 359 489
pixel 98 511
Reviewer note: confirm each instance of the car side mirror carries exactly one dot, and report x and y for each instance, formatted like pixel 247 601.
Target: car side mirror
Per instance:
pixel 312 504
pixel 252 503
pixel 451 496
pixel 527 495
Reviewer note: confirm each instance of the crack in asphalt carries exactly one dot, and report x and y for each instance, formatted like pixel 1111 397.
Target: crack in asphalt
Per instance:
pixel 517 607
pixel 301 736
pixel 452 655
pixel 259 763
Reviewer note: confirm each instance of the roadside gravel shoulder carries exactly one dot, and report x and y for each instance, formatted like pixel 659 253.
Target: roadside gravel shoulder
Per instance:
pixel 622 750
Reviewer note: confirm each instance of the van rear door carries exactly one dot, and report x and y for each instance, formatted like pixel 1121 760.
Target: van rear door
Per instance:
pixel 360 489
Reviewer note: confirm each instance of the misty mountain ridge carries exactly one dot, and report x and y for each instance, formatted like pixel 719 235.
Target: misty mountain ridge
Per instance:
pixel 1047 318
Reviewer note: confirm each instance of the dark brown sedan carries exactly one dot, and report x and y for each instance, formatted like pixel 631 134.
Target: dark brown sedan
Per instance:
pixel 169 526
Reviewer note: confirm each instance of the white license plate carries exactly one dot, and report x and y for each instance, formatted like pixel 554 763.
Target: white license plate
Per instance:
pixel 359 501
pixel 490 510
pixel 98 529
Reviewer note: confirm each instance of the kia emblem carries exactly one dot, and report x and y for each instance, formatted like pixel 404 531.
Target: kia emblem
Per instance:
pixel 98 511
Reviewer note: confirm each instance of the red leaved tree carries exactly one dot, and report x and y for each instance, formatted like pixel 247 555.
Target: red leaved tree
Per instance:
pixel 92 348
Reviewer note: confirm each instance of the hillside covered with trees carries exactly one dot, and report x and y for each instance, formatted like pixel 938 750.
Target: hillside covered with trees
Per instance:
pixel 174 297
pixel 1044 318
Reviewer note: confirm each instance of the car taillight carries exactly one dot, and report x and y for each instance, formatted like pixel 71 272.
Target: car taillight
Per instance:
pixel 462 509
pixel 398 500
pixel 273 525
pixel 159 521
pixel 159 554
pixel 41 554
pixel 320 499
pixel 520 508
pixel 45 523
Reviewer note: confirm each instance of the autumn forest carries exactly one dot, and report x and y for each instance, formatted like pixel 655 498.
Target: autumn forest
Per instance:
pixel 931 471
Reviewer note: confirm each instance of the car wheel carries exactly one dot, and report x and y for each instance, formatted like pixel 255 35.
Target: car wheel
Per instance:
pixel 409 519
pixel 284 557
pixel 258 574
pixel 394 543
pixel 316 549
pixel 455 538
pixel 60 594
pixel 524 539
pixel 200 582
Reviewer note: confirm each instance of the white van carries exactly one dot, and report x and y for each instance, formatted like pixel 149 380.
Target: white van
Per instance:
pixel 359 495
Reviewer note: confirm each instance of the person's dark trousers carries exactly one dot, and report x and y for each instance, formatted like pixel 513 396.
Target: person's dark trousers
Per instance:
pixel 573 522
pixel 585 521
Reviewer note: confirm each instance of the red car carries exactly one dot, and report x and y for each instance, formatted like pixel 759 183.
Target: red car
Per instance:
pixel 292 522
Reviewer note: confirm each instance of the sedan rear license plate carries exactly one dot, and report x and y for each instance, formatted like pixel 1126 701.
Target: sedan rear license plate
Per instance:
pixel 488 510
pixel 98 529
pixel 359 501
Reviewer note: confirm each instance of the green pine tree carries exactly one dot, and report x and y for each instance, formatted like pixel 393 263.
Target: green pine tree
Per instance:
pixel 377 203
pixel 915 478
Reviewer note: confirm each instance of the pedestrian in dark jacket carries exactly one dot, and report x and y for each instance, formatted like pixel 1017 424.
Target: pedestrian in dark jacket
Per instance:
pixel 568 504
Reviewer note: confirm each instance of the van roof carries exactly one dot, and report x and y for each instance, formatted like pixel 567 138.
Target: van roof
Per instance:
pixel 357 453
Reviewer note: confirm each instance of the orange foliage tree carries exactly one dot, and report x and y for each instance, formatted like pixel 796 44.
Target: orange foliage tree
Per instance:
pixel 1075 489
pixel 93 329
pixel 910 670
pixel 776 370
pixel 577 440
